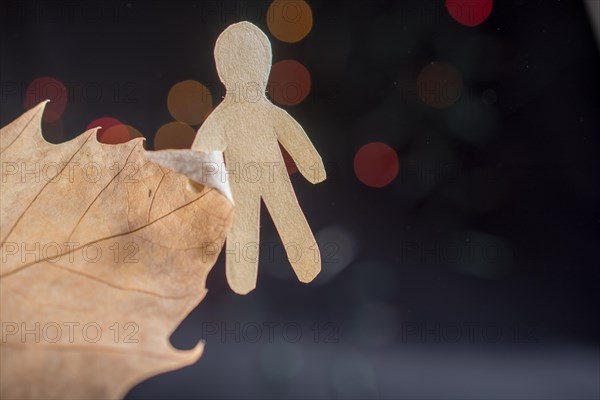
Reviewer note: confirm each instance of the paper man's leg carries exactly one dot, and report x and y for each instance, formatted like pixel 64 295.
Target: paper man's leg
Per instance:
pixel 241 257
pixel 298 240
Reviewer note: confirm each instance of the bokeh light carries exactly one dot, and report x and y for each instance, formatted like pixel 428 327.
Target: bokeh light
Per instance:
pixel 189 102
pixel 115 135
pixel 133 132
pixel 174 135
pixel 470 12
pixel 439 84
pixel 376 164
pixel 289 20
pixel 104 124
pixel 46 88
pixel 113 131
pixel 289 82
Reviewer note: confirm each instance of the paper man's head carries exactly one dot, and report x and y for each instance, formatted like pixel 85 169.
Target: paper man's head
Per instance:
pixel 243 56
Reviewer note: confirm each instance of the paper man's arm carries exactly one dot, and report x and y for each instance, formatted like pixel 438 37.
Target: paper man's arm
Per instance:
pixel 210 136
pixel 296 142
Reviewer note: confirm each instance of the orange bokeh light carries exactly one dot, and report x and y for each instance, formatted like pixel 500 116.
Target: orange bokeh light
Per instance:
pixel 133 132
pixel 115 135
pixel 189 102
pixel 174 135
pixel 289 20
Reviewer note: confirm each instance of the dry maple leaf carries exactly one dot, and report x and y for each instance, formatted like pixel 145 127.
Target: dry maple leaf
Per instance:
pixel 103 254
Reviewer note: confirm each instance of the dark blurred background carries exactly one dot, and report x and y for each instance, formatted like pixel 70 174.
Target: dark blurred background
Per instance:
pixel 471 271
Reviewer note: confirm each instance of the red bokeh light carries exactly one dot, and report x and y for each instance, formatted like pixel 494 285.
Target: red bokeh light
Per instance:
pixel 289 82
pixel 116 134
pixel 112 130
pixel 470 12
pixel 376 164
pixel 46 88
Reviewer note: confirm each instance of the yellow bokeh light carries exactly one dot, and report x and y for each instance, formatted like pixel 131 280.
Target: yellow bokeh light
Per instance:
pixel 174 135
pixel 189 102
pixel 289 20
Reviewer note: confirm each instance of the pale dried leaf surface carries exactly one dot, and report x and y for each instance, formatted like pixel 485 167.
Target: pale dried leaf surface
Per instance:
pixel 96 234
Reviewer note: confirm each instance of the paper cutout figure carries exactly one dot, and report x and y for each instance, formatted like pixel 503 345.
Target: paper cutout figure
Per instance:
pixel 248 127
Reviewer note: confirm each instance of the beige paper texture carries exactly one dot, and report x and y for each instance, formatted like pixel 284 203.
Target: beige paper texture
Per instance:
pixel 247 127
